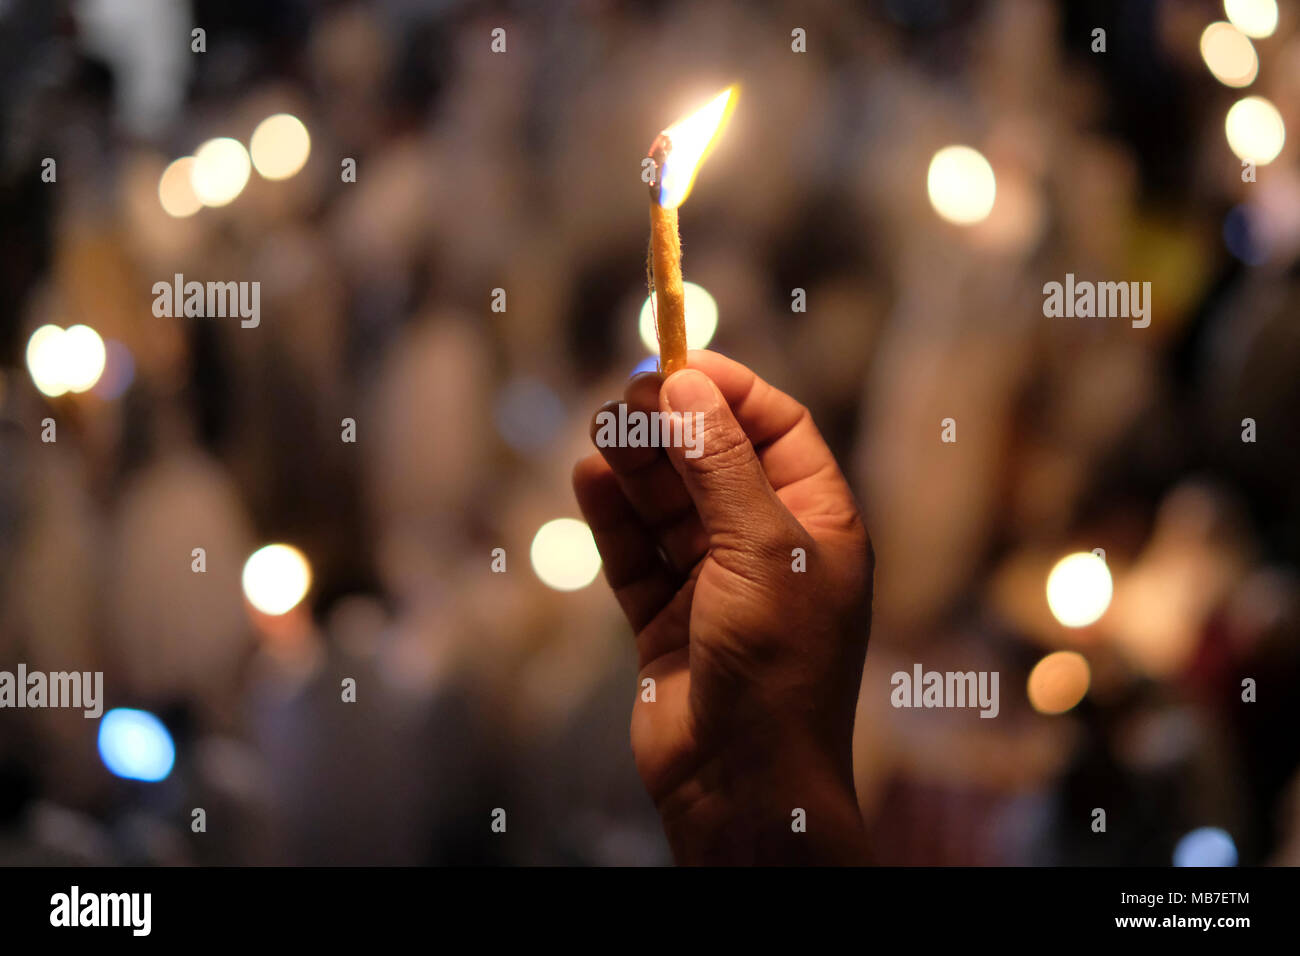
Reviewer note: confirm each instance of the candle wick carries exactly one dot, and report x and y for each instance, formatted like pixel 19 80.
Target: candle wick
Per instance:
pixel 659 150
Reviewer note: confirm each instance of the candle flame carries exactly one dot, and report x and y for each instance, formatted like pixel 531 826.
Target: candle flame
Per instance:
pixel 689 141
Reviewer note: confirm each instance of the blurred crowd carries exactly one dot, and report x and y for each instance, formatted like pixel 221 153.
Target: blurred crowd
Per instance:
pixel 519 170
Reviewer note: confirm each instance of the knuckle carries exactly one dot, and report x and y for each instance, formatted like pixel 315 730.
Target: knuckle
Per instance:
pixel 724 448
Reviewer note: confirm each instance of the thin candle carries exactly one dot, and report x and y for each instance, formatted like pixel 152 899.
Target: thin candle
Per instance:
pixel 678 153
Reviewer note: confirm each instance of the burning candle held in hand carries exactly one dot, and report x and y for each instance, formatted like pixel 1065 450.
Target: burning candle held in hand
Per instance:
pixel 678 153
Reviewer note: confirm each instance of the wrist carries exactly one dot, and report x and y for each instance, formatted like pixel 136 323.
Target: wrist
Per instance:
pixel 784 804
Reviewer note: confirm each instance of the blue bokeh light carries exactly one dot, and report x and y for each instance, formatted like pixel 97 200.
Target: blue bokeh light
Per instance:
pixel 134 744
pixel 1241 236
pixel 1206 846
pixel 529 414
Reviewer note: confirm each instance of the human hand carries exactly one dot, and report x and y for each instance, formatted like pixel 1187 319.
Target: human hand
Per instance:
pixel 756 664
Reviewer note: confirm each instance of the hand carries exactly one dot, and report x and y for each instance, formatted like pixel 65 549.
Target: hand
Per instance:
pixel 756 653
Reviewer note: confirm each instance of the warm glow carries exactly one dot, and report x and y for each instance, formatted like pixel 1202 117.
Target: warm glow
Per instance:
pixel 175 190
pixel 1255 130
pixel 1079 589
pixel 45 360
pixel 701 318
pixel 65 360
pixel 1255 18
pixel 691 139
pixel 280 146
pixel 220 171
pixel 564 555
pixel 961 185
pixel 1058 682
pixel 276 578
pixel 83 358
pixel 1229 55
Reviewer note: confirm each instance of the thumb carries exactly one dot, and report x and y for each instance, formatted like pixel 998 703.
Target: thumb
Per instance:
pixel 717 463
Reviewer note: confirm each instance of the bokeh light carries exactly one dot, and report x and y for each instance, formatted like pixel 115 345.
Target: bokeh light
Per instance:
pixel 1079 589
pixel 961 185
pixel 1206 846
pixel 276 578
pixel 701 318
pixel 65 360
pixel 1058 682
pixel 1229 55
pixel 176 189
pixel 1241 238
pixel 45 360
pixel 1255 130
pixel 564 555
pixel 1255 18
pixel 135 744
pixel 648 364
pixel 83 358
pixel 119 371
pixel 280 146
pixel 220 171
pixel 528 414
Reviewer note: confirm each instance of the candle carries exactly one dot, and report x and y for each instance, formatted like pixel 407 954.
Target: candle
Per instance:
pixel 678 153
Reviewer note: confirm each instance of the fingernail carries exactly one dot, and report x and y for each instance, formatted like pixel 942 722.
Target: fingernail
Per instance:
pixel 690 391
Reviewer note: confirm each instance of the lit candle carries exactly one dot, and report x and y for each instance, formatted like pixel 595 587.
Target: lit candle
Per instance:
pixel 678 153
